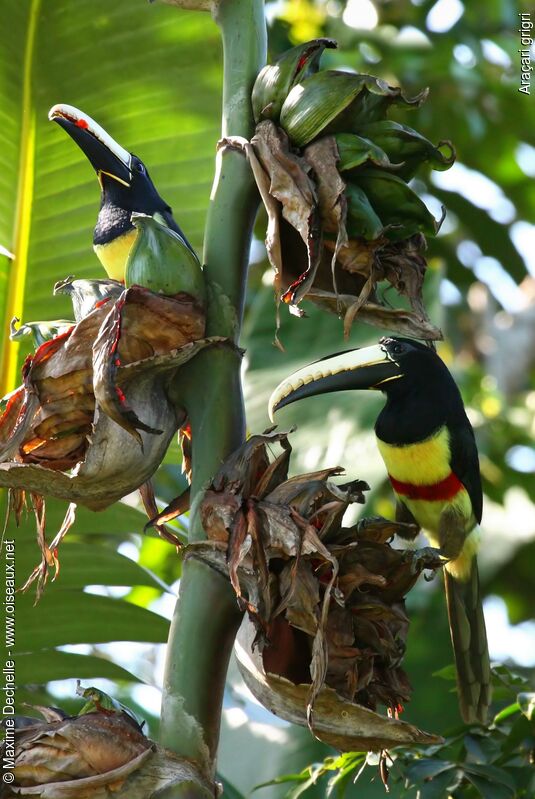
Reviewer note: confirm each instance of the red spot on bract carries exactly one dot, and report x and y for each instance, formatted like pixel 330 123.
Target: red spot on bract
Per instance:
pixel 48 348
pixel 120 394
pixel 100 303
pixel 302 61
pixel 81 123
pixel 323 571
pixel 15 398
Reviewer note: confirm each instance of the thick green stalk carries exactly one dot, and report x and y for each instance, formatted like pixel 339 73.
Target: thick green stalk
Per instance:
pixel 206 616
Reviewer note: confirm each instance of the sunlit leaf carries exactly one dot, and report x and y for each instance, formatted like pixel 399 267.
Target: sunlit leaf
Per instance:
pixel 141 82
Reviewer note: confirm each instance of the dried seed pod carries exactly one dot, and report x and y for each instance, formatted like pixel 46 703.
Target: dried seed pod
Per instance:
pixel 92 756
pixel 111 464
pixel 331 236
pixel 78 748
pixel 93 420
pixel 324 247
pixel 336 721
pixel 275 80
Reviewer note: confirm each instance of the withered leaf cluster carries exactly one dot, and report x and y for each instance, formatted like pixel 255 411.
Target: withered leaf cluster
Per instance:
pixel 327 602
pixel 311 248
pixel 49 419
pixel 92 421
pixel 82 753
pixel 99 753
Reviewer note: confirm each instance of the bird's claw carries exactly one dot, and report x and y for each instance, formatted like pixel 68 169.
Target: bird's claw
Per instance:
pixel 426 558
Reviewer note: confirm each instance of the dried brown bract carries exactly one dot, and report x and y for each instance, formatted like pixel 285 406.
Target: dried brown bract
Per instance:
pixel 92 420
pixel 95 755
pixel 333 172
pixel 326 602
pixel 318 241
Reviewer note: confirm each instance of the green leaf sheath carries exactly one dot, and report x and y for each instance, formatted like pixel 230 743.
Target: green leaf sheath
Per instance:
pixel 206 616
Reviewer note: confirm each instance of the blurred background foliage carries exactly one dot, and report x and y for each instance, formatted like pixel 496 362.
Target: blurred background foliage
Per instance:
pixel 151 76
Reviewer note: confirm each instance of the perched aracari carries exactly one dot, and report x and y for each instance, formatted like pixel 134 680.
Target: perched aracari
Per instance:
pixel 429 449
pixel 125 188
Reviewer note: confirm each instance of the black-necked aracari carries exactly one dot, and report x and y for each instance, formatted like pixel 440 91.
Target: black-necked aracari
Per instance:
pixel 429 450
pixel 125 188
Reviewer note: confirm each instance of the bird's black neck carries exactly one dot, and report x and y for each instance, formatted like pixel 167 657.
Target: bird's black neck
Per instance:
pixel 112 222
pixel 412 416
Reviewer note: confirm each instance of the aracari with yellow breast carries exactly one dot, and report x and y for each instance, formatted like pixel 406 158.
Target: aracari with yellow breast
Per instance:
pixel 429 450
pixel 125 188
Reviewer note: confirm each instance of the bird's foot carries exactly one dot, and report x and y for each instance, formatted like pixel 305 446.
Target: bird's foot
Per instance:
pixel 426 558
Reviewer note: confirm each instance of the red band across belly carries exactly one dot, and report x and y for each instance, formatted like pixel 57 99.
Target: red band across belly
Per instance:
pixel 445 489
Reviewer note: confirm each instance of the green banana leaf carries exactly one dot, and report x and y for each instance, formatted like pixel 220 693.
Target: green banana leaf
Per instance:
pixel 139 70
pixel 66 614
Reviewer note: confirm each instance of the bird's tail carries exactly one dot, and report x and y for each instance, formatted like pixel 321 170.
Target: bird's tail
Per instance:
pixel 469 639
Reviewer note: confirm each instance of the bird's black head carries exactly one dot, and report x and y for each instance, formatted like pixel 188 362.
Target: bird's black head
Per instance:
pixel 123 177
pixel 396 366
pixel 138 195
pixel 418 365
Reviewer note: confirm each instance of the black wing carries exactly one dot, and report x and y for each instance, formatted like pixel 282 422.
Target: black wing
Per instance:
pixel 465 462
pixel 404 516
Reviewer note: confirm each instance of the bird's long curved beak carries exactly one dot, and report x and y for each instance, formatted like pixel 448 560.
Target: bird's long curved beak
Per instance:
pixel 367 368
pixel 105 154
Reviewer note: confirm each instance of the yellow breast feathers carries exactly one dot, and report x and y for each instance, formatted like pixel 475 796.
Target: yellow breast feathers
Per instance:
pixel 424 463
pixel 114 254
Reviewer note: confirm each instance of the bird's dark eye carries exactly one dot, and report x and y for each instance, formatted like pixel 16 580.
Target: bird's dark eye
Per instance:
pixel 397 349
pixel 139 167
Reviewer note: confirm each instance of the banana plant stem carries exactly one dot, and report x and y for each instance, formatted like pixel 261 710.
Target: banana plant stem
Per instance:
pixel 206 616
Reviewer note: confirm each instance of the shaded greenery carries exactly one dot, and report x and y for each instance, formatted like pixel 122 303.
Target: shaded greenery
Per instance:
pixel 152 77
pixel 494 762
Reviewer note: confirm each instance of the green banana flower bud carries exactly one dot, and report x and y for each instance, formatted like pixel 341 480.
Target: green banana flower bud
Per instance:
pixel 402 143
pixel 401 210
pixel 161 261
pixel 354 151
pixel 274 81
pixel 361 218
pixel 337 102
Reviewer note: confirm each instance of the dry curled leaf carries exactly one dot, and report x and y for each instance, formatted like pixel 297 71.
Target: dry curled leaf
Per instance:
pixel 91 756
pixel 79 747
pixel 92 420
pixel 74 384
pixel 345 725
pixel 310 244
pixel 326 602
